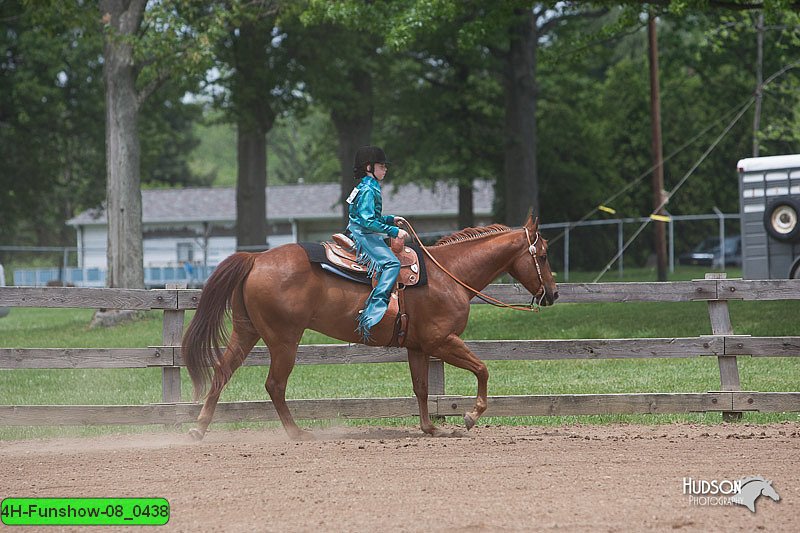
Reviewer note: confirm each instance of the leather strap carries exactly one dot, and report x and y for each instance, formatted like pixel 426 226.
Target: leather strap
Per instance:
pixel 399 334
pixel 485 297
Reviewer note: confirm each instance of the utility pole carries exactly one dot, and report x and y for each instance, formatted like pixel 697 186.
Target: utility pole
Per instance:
pixel 759 79
pixel 660 242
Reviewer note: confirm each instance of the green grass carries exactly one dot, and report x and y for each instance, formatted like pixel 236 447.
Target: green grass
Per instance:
pixel 53 328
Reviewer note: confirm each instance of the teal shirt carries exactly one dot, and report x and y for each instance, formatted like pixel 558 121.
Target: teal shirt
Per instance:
pixel 365 209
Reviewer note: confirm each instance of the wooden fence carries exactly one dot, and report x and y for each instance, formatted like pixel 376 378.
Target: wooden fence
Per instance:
pixel 722 343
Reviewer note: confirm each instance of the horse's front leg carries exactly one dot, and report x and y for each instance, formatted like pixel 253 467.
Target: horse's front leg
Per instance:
pixel 418 364
pixel 454 351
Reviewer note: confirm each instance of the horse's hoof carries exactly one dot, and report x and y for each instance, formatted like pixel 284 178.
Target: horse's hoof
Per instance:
pixel 469 422
pixel 302 435
pixel 437 432
pixel 196 434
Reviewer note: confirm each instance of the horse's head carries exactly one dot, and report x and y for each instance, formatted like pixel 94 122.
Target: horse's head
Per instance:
pixel 768 490
pixel 531 267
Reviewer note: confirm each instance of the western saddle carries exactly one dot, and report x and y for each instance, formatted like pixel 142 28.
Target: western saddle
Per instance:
pixel 342 253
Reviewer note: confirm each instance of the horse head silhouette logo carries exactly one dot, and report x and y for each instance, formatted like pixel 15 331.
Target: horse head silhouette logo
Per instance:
pixel 752 488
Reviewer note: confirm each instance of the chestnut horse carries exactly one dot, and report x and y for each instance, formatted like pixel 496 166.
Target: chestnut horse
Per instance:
pixel 277 294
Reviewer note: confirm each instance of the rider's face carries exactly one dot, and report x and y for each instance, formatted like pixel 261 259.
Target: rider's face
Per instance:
pixel 379 171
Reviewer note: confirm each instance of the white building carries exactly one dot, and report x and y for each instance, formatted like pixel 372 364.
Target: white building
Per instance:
pixel 196 226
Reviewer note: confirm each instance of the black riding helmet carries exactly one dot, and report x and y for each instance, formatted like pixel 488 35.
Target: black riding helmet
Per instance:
pixel 366 156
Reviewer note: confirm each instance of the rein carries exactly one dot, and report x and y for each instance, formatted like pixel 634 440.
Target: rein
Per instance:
pixel 533 306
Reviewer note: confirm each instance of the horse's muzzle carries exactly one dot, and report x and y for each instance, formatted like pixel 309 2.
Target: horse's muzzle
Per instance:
pixel 545 298
pixel 550 297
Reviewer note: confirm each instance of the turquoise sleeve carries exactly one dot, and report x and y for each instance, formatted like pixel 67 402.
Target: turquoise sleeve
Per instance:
pixel 367 218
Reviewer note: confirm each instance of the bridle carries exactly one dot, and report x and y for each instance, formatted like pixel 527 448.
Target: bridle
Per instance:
pixel 539 296
pixel 535 301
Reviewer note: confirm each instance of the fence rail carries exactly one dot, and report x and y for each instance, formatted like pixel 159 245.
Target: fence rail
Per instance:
pixel 722 343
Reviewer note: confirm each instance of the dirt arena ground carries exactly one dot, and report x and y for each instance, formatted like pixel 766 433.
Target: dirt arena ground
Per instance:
pixel 574 478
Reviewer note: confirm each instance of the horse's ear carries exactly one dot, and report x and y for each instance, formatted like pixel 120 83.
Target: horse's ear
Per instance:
pixel 530 222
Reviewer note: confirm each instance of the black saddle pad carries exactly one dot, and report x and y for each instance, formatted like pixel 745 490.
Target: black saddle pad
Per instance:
pixel 316 254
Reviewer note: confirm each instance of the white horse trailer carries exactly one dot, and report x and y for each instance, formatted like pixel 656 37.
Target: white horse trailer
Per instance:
pixel 769 205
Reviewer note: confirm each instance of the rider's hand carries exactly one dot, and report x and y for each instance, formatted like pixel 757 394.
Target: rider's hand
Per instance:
pixel 402 234
pixel 400 221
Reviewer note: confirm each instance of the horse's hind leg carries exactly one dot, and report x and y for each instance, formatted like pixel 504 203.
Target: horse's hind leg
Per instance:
pixel 454 351
pixel 282 358
pixel 239 346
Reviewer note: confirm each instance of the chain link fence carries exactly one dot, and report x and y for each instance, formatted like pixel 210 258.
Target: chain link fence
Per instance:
pixel 587 246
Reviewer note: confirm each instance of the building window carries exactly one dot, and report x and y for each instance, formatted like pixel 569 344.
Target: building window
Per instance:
pixel 185 252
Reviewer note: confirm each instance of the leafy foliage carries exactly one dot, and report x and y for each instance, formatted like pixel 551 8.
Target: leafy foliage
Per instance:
pixel 52 122
pixel 445 122
pixel 436 90
pixel 50 104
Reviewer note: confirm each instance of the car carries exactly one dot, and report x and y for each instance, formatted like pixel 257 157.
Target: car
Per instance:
pixel 707 253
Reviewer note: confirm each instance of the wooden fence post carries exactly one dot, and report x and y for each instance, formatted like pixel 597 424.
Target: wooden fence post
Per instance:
pixel 728 369
pixel 436 382
pixel 172 333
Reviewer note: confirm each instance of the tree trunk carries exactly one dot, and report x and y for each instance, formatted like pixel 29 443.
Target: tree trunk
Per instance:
pixel 466 215
pixel 123 193
pixel 255 118
pixel 520 177
pixel 354 129
pixel 251 183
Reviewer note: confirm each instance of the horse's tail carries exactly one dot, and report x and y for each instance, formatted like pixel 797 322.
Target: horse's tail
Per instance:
pixel 206 332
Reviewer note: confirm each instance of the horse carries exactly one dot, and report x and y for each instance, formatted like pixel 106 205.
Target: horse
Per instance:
pixel 277 294
pixel 751 488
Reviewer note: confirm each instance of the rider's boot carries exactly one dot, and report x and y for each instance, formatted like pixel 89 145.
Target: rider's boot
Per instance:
pixel 378 300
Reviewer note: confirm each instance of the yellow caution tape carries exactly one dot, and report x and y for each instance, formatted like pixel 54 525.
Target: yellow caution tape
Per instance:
pixel 660 218
pixel 607 209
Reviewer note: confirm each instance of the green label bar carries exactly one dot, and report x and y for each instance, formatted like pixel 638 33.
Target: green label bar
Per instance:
pixel 84 511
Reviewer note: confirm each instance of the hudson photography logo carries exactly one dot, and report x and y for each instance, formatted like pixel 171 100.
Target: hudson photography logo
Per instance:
pixel 743 491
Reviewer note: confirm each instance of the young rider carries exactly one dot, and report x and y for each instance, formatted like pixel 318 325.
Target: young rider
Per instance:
pixel 369 227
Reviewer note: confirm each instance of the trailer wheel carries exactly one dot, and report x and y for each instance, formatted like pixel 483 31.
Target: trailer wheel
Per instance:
pixel 794 272
pixel 782 219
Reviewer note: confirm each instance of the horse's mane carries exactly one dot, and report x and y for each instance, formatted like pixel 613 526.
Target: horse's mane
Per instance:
pixel 746 480
pixel 472 233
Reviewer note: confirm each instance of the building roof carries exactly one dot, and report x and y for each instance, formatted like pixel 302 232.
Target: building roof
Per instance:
pixel 318 201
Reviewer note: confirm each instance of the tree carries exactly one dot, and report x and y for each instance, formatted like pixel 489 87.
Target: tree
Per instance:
pixel 340 62
pixel 50 145
pixel 123 189
pixel 303 147
pixel 260 81
pixel 512 30
pixel 143 49
pixel 521 180
pixel 444 118
pixel 166 130
pixel 52 131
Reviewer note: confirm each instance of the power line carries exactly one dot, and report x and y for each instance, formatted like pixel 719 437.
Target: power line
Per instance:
pixel 713 145
pixel 685 145
pixel 646 173
pixel 708 151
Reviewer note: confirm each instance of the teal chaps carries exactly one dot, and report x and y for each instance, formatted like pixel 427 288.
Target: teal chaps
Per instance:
pixel 375 254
